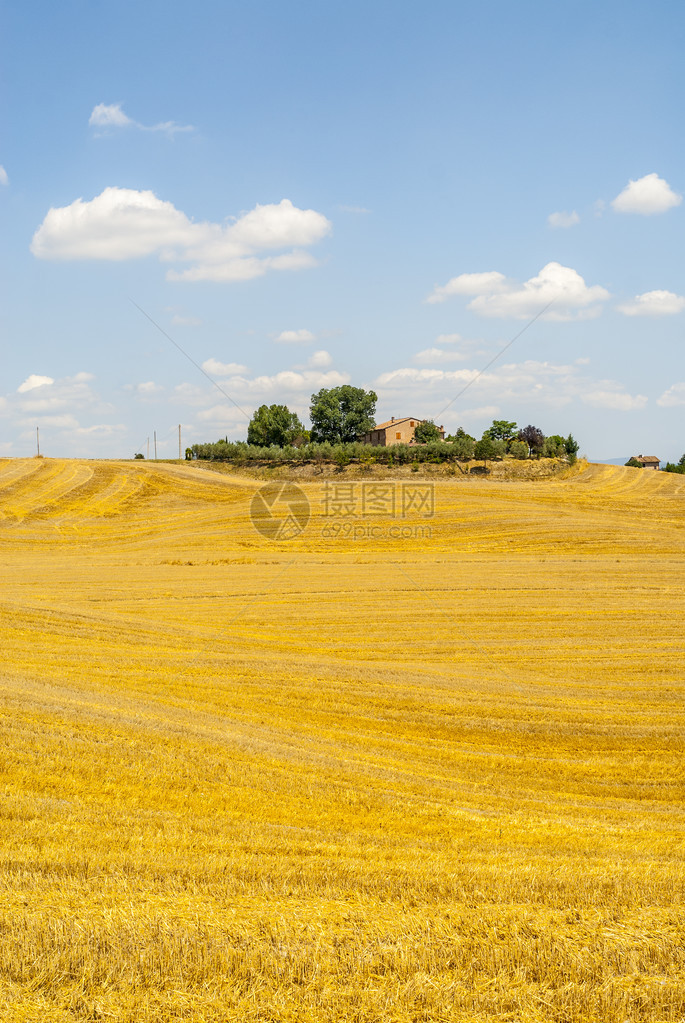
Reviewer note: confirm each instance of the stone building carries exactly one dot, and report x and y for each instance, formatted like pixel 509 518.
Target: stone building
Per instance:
pixel 648 461
pixel 395 431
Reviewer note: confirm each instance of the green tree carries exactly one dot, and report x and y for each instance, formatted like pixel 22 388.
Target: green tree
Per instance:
pixel 571 445
pixel 485 448
pixel 554 446
pixel 634 464
pixel 518 449
pixel 463 446
pixel 426 431
pixel 502 429
pixel 343 414
pixel 274 425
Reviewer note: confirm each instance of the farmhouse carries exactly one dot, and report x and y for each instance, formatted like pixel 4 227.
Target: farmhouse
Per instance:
pixel 648 461
pixel 395 431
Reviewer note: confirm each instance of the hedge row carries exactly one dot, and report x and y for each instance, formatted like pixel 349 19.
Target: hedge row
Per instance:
pixel 342 454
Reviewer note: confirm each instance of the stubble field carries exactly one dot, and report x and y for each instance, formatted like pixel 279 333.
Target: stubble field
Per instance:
pixel 428 772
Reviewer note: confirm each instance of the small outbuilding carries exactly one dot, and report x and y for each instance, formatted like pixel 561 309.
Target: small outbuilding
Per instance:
pixel 648 461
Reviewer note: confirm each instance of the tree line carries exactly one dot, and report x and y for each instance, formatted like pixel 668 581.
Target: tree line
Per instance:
pixel 340 417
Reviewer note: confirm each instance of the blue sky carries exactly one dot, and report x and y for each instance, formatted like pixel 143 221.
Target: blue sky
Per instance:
pixel 305 194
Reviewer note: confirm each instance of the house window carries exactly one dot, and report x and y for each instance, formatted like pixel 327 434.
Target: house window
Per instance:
pixel 398 436
pixel 411 423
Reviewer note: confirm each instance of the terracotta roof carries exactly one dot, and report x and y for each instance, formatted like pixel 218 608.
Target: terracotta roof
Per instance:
pixel 395 422
pixel 646 458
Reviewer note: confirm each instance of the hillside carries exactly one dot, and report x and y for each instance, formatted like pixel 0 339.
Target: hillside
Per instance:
pixel 427 772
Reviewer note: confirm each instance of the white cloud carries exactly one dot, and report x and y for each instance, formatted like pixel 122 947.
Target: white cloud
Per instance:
pixel 535 383
pixel 4 180
pixel 495 296
pixel 148 387
pixel 100 429
pixel 318 360
pixel 675 395
pixel 110 115
pixel 468 284
pixel 616 400
pixel 439 355
pixel 223 369
pixel 178 319
pixel 295 337
pixel 122 223
pixel 448 339
pixel 654 303
pixel 563 219
pixel 648 195
pixel 33 381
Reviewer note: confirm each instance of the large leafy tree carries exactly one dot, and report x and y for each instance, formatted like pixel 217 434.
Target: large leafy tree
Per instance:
pixel 343 414
pixel 274 425
pixel 502 429
pixel 426 431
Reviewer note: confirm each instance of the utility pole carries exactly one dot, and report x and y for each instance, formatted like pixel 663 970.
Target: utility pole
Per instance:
pixel 148 449
pixel 38 441
pixel 179 442
pixel 155 436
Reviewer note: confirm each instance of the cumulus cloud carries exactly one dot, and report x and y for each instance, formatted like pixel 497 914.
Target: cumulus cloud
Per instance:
pixel 535 383
pixel 110 115
pixel 318 360
pixel 246 391
pixel 648 195
pixel 468 284
pixel 563 219
pixel 148 387
pixel 653 303
pixel 295 337
pixel 675 395
pixel 223 369
pixel 4 180
pixel 33 381
pixel 439 355
pixel 448 339
pixel 618 400
pixel 122 223
pixel 496 296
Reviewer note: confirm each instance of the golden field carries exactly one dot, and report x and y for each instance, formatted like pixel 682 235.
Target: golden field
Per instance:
pixel 429 777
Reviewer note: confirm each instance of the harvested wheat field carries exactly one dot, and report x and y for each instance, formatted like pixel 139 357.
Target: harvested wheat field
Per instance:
pixel 426 771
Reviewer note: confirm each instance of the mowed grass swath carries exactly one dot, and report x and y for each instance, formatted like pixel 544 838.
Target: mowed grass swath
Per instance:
pixel 381 779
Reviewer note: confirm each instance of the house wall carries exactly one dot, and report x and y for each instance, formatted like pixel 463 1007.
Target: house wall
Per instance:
pixel 389 435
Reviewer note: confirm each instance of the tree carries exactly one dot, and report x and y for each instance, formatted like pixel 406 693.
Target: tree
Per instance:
pixel 343 414
pixel 634 464
pixel 426 431
pixel 461 434
pixel 571 446
pixel 502 429
pixel 485 448
pixel 518 449
pixel 273 425
pixel 463 446
pixel 554 446
pixel 533 437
